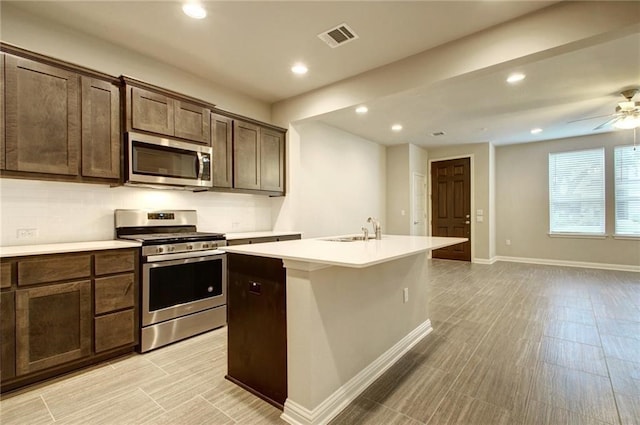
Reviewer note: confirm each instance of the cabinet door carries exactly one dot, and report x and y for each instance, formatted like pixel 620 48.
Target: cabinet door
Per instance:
pixel 192 122
pixel 257 325
pixel 42 118
pixel 222 144
pixel 115 330
pixel 100 129
pixel 1 111
pixel 114 293
pixel 152 112
pixel 246 155
pixel 7 335
pixel 271 160
pixel 53 325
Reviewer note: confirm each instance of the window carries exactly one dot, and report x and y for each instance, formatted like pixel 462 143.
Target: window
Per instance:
pixel 627 183
pixel 576 192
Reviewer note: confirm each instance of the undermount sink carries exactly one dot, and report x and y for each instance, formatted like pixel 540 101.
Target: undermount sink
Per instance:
pixel 348 239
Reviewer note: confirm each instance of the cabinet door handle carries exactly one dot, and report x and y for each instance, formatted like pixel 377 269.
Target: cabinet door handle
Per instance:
pixel 255 287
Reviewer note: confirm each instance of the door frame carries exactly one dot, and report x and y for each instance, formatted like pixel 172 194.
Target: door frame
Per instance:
pixel 472 194
pixel 425 206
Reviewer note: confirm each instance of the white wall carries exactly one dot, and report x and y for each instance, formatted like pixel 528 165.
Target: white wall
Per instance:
pixel 65 212
pixel 76 212
pixel 336 181
pixel 522 202
pixel 402 162
pixel 398 190
pixel 48 38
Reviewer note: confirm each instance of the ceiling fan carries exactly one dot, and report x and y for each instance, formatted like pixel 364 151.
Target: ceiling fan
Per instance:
pixel 627 115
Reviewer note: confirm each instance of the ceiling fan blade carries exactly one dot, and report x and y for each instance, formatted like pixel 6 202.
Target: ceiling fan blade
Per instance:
pixel 591 118
pixel 604 124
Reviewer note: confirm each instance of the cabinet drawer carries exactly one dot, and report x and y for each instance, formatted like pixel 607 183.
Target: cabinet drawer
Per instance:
pixel 52 269
pixel 115 262
pixel 6 277
pixel 114 293
pixel 114 330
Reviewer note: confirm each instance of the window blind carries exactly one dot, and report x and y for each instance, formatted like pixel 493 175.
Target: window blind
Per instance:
pixel 627 190
pixel 576 192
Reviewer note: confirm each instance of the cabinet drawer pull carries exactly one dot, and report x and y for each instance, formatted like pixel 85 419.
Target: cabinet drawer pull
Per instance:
pixel 126 290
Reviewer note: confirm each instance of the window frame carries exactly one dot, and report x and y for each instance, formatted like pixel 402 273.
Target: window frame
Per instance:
pixel 603 197
pixel 616 233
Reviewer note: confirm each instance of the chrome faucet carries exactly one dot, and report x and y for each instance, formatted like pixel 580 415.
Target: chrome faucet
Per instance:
pixel 376 227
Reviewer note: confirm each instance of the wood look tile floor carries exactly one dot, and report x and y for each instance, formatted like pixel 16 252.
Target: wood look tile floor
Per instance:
pixel 513 344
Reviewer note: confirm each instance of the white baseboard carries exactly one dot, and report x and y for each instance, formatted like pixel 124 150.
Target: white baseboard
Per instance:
pixel 583 264
pixel 485 261
pixel 298 415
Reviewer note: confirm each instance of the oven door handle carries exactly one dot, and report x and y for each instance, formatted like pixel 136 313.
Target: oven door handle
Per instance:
pixel 184 255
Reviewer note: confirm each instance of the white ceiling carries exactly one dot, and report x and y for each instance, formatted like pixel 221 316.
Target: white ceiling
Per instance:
pixel 250 46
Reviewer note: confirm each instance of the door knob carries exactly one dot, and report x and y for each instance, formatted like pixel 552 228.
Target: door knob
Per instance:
pixel 467 222
pixel 468 216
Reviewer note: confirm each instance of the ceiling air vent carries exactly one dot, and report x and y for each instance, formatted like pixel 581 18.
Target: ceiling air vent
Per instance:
pixel 438 133
pixel 338 36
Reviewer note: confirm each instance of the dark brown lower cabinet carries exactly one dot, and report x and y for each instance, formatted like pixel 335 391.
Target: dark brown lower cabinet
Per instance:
pixel 257 326
pixel 115 330
pixel 53 325
pixel 7 335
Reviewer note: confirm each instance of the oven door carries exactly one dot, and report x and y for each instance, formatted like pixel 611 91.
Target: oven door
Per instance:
pixel 176 288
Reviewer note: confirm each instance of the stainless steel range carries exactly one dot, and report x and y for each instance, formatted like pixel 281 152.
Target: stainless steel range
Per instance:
pixel 184 274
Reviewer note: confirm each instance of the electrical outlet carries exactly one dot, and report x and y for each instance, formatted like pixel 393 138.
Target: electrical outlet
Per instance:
pixel 508 242
pixel 405 295
pixel 27 233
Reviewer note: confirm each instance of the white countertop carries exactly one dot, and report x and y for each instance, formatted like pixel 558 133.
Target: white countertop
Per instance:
pixel 358 254
pixel 59 248
pixel 263 234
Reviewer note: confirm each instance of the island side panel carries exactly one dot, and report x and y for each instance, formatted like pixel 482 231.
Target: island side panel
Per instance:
pixel 257 323
pixel 341 319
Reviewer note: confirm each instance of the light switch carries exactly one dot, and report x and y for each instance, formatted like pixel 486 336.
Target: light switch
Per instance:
pixel 479 218
pixel 479 212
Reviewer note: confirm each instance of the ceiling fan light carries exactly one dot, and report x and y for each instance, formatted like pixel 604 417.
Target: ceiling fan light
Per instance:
pixel 627 123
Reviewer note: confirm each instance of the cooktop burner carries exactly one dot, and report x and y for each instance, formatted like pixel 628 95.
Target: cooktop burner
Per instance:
pixel 161 238
pixel 161 227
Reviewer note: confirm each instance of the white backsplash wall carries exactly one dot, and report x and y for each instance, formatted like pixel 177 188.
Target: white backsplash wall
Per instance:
pixel 77 212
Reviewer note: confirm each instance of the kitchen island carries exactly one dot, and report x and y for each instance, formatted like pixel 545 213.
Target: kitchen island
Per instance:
pixel 353 308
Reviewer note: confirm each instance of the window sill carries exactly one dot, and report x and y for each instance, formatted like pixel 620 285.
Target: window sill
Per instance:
pixel 629 237
pixel 578 235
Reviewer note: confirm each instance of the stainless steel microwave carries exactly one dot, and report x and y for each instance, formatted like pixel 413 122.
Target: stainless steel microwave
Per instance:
pixel 155 160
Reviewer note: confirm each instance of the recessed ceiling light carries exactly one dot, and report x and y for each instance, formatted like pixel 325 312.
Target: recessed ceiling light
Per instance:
pixel 362 109
pixel 299 69
pixel 536 130
pixel 396 127
pixel 515 77
pixel 194 10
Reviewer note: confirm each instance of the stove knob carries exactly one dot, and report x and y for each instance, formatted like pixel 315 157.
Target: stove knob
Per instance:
pixel 172 248
pixel 205 245
pixel 189 247
pixel 160 250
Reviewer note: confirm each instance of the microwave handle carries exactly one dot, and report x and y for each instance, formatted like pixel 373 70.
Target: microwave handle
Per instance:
pixel 200 165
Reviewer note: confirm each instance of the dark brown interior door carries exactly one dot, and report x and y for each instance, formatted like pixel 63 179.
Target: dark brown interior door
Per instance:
pixel 451 206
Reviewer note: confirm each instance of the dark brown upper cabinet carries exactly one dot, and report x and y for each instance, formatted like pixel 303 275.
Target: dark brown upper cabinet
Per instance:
pixel 162 112
pixel 222 144
pixel 42 117
pixel 258 158
pixel 2 125
pixel 248 156
pixel 101 137
pixel 61 121
pixel 271 160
